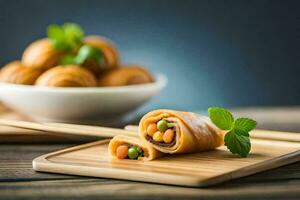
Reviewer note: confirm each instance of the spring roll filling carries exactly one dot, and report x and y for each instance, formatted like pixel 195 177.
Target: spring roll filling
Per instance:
pixel 130 151
pixel 165 133
pixel 149 138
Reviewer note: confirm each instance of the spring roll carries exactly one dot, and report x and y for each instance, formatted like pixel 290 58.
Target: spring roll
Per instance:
pixel 127 75
pixel 176 132
pixel 127 147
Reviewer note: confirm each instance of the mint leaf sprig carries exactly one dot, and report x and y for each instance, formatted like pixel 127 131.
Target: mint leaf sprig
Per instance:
pixel 85 52
pixel 237 136
pixel 68 38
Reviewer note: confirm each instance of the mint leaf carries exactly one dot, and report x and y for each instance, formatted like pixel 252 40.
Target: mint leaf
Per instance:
pixel 73 35
pixel 67 37
pixel 85 52
pixel 244 124
pixel 55 32
pixel 240 132
pixel 221 117
pixel 89 52
pixel 237 138
pixel 73 31
pixel 237 144
pixel 68 59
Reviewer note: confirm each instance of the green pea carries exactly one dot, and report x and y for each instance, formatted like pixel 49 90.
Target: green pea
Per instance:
pixel 133 153
pixel 162 125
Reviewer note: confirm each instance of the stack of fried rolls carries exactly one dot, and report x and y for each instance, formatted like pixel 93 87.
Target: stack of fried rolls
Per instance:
pixel 40 65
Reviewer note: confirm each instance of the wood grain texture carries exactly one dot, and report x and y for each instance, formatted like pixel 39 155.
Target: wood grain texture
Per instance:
pixel 200 169
pixel 16 162
pixel 112 189
pixel 19 181
pixel 18 128
pixel 77 133
pixel 67 129
pixel 20 135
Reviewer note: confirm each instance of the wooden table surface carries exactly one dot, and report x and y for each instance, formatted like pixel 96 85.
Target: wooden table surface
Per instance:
pixel 19 181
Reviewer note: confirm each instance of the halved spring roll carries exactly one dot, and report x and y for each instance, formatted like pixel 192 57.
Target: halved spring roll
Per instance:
pixel 127 147
pixel 175 132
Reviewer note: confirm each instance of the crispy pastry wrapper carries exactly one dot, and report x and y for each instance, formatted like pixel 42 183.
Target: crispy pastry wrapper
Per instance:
pixel 149 152
pixel 194 133
pixel 127 75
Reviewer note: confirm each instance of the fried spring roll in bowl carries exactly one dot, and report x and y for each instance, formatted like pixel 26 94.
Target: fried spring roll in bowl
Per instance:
pixel 15 72
pixel 176 132
pixel 127 75
pixel 67 76
pixel 127 147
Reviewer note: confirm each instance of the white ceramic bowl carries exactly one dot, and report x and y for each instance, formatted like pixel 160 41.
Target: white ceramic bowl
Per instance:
pixel 78 105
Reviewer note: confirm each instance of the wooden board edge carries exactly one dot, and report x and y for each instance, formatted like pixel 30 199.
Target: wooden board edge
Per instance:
pixel 82 146
pixel 42 164
pixel 255 168
pixel 47 166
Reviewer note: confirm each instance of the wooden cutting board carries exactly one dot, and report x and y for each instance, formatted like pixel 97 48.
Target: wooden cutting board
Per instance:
pixel 195 170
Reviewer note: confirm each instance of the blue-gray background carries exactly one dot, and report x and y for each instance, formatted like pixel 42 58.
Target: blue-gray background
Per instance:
pixel 220 53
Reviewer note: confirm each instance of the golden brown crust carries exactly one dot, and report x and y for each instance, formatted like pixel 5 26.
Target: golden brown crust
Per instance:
pixel 110 53
pixel 67 76
pixel 194 133
pixel 128 75
pixel 16 72
pixel 41 54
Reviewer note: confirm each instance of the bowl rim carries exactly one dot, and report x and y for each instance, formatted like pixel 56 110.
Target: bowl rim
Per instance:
pixel 160 82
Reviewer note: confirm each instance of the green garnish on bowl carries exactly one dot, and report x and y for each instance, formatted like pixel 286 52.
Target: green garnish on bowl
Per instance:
pixel 69 39
pixel 237 136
